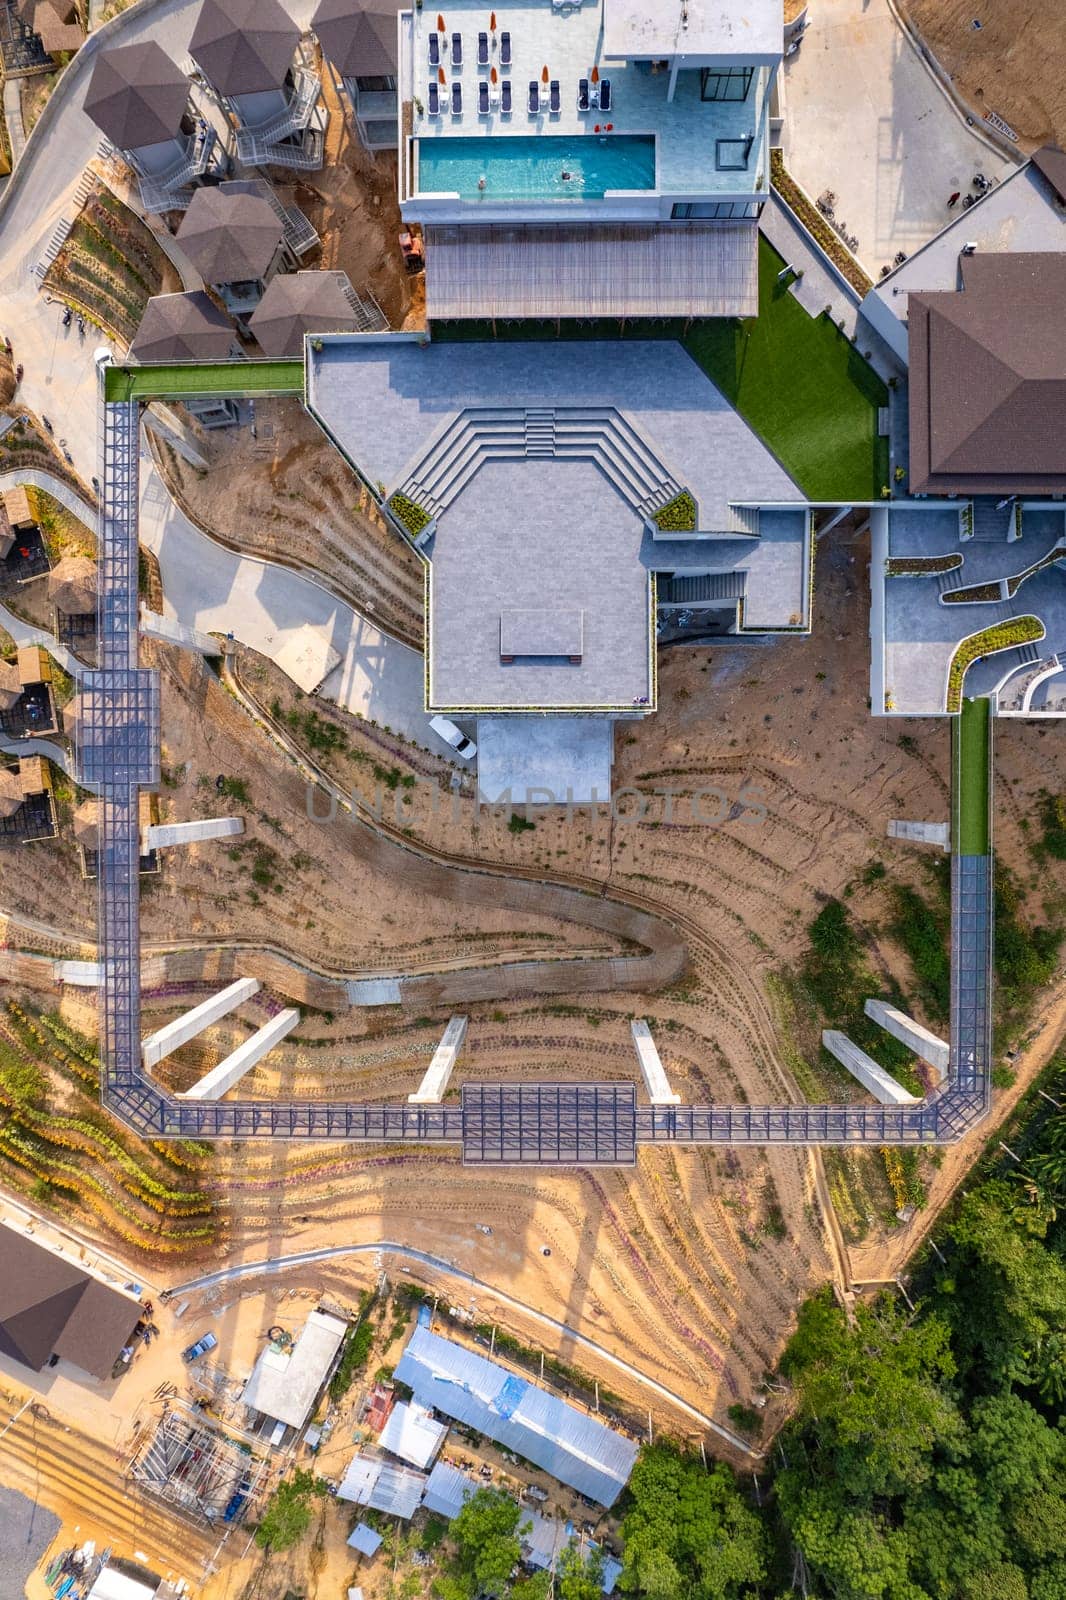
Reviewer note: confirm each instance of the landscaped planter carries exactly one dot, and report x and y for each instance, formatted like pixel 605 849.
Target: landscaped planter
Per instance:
pixel 1001 636
pixel 921 566
pixel 414 517
pixel 678 515
pixel 1014 583
pixel 978 594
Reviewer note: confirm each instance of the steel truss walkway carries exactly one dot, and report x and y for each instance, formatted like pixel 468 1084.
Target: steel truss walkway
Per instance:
pixel 572 1124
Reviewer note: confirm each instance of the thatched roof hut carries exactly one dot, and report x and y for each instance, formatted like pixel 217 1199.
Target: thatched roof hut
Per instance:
pixel 11 795
pixel 10 685
pixel 72 585
pixel 86 822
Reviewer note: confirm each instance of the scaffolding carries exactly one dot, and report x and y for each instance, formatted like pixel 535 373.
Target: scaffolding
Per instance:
pixel 192 1465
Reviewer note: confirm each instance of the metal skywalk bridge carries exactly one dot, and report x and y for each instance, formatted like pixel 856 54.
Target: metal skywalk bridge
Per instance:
pixel 572 1124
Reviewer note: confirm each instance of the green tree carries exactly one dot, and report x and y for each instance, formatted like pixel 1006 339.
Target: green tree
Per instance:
pixel 288 1516
pixel 486 1539
pixel 577 1578
pixel 688 1530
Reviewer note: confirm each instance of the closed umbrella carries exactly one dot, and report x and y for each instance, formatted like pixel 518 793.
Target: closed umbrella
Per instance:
pixel 440 75
pixel 544 75
pixel 440 23
pixel 595 74
pixel 492 75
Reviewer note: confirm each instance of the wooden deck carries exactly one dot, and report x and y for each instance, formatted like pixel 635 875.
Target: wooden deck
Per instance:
pixel 678 269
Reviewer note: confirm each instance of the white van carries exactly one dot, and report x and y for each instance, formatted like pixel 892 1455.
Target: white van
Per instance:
pixel 454 736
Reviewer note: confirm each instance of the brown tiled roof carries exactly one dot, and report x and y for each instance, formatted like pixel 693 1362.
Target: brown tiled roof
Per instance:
pixel 49 1306
pixel 296 303
pixel 183 327
pixel 229 236
pixel 56 24
pixel 358 36
pixel 137 95
pixel 987 381
pixel 1050 162
pixel 244 46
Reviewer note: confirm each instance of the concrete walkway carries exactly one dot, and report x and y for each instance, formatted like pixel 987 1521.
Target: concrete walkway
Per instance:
pixel 281 614
pixel 866 118
pixel 16 131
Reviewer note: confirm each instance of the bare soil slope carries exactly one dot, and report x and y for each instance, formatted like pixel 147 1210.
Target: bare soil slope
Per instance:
pixel 1012 64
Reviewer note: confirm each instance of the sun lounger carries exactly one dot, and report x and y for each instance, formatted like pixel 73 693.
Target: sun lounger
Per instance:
pixel 505 49
pixel 483 99
pixel 505 98
pixel 582 94
pixel 434 99
pixel 457 49
pixel 605 94
pixel 482 49
pixel 554 105
pixel 534 97
pixel 434 49
pixel 457 98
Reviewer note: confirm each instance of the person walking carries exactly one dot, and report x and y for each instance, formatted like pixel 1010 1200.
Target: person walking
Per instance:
pixel 953 199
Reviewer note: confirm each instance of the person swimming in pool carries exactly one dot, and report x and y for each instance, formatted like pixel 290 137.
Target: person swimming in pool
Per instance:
pixel 566 176
pixel 481 182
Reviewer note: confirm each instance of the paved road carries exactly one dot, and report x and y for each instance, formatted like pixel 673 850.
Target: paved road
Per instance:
pixel 449 1269
pixel 866 118
pixel 278 612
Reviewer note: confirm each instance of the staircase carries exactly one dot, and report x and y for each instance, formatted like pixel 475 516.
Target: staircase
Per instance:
pixel 989 525
pixel 708 588
pixel 540 432
pixel 949 580
pixel 744 520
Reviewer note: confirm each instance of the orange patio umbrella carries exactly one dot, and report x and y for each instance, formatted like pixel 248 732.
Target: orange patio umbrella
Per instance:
pixel 595 74
pixel 492 75
pixel 544 74
pixel 492 23
pixel 440 75
pixel 440 23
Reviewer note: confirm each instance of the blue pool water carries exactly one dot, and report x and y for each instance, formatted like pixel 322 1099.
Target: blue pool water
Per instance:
pixel 516 167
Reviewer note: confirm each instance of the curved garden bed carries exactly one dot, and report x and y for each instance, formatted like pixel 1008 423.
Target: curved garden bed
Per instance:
pixel 1001 636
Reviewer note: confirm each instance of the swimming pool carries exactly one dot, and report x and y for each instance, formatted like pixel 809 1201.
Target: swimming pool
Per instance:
pixel 520 167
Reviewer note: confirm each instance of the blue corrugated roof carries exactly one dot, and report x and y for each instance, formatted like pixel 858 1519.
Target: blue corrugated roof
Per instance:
pixel 574 1448
pixel 364 1539
pixel 447 1490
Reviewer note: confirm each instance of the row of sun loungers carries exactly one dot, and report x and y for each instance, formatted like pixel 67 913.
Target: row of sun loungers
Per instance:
pixel 435 41
pixel 438 102
pixel 540 98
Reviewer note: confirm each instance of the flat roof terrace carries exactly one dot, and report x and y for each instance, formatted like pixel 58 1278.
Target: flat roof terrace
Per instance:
pixel 688 160
pixel 537 466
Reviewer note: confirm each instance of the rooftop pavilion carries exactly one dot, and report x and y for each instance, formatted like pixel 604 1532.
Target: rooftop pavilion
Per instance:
pixel 651 116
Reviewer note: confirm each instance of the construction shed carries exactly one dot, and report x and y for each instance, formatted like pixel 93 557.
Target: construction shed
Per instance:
pixel 413 1435
pixel 574 1448
pixel 286 1383
pixel 382 1486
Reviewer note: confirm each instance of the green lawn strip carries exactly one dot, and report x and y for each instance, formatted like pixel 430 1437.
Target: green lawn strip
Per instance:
pixel 803 388
pixel 973 777
pixel 215 377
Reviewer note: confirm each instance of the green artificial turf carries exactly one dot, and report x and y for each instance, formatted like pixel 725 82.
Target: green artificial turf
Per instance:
pixel 973 732
pixel 234 378
pixel 802 386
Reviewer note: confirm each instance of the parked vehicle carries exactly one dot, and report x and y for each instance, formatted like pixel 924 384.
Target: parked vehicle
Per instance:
pixel 453 736
pixel 194 1351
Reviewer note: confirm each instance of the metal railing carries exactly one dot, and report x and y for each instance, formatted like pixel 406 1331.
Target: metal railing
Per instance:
pixel 255 144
